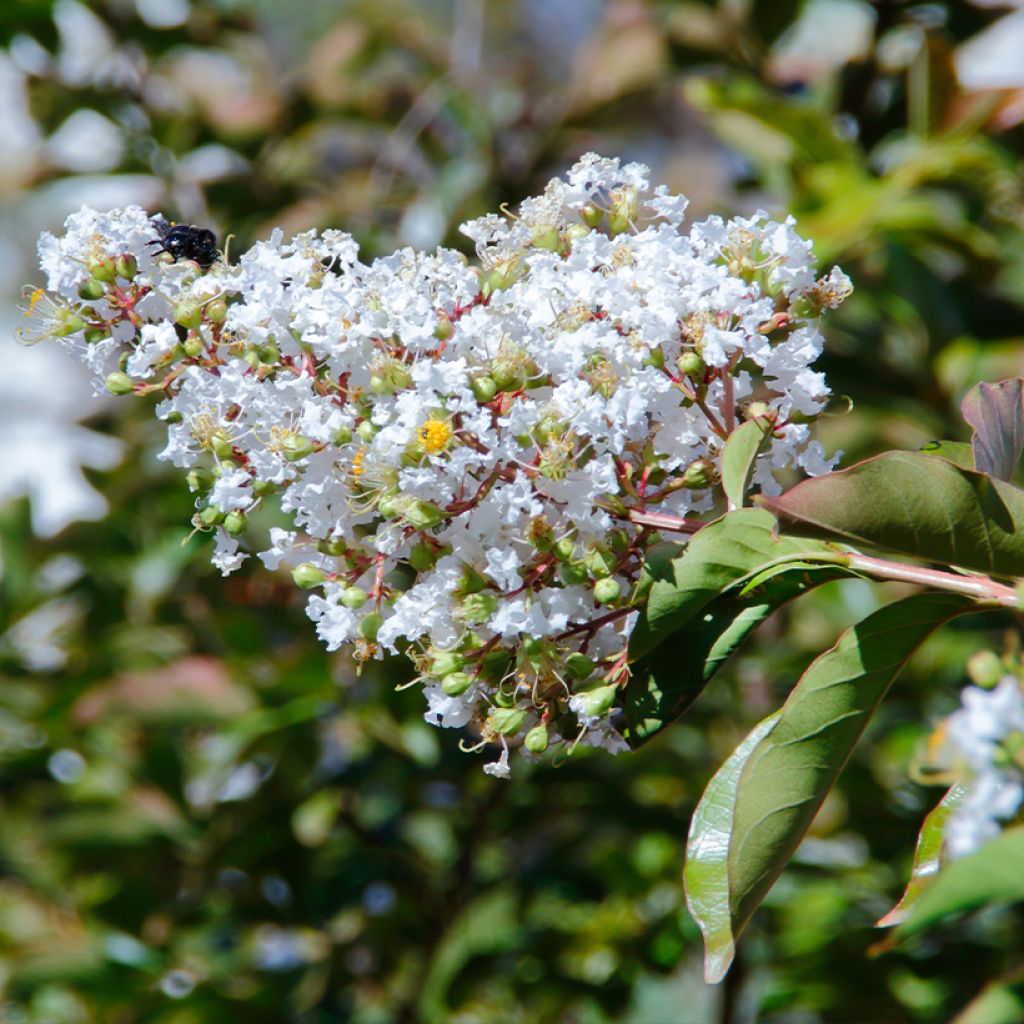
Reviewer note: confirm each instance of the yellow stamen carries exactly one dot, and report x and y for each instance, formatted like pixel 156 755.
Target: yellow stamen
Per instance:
pixel 33 301
pixel 357 462
pixel 434 435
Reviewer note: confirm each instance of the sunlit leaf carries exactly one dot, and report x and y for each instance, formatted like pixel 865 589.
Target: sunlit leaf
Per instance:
pixel 739 458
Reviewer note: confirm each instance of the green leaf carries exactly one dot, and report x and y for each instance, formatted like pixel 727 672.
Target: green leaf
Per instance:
pixel 785 775
pixel 999 1002
pixel 915 504
pixel 990 875
pixel 927 856
pixel 996 411
pixel 664 684
pixel 723 552
pixel 706 874
pixel 739 458
pixel 960 453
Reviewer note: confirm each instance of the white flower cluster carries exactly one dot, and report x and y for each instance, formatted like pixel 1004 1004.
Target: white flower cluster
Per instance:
pixel 472 454
pixel 987 736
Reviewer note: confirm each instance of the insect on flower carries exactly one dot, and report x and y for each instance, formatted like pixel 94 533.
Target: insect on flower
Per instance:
pixel 186 242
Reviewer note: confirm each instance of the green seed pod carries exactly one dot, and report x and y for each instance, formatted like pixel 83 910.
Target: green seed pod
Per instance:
pixel 606 591
pixel 370 625
pixel 268 353
pixel 536 740
pixel 91 289
pixel 506 721
pixel 354 597
pixel 102 268
pixel 424 515
pixel 200 480
pixel 127 266
pixel 456 683
pixel 217 311
pixel 188 314
pixel 478 608
pixel 591 215
pixel 263 488
pixel 690 364
pixel 446 662
pixel 597 701
pixel 572 574
pixel 296 447
pixel 563 549
pixel 579 666
pixel 484 388
pixel 307 575
pixel 119 384
pixel 445 328
pixel 193 346
pixel 234 523
pixel 506 376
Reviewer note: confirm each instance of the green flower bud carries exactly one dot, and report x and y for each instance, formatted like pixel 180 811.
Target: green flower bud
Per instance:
pixel 456 683
pixel 102 268
pixel 597 701
pixel 563 549
pixel 573 574
pixel 193 346
pixel 366 431
pixel 307 575
pixel 690 364
pixel 174 417
pixel 445 328
pixel 617 223
pixel 655 357
pixel 91 289
pixel 334 546
pixel 188 314
pixel 296 447
pixel 545 236
pixel 536 740
pixel 534 647
pixel 217 312
pixel 94 335
pixel 370 625
pixel 579 666
pixel 471 583
pixel 263 488
pixel 354 597
pixel 424 515
pixel 506 721
pixel 126 266
pixel 70 325
pixel 700 474
pixel 268 353
pixel 478 608
pixel 606 591
pixel 234 522
pixel 199 480
pixel 574 232
pixel 985 668
pixel 446 662
pixel 599 563
pixel 390 506
pixel 484 388
pixel 758 411
pixel 220 444
pixel 342 436
pixel 591 215
pixel 211 516
pixel 423 557
pixel 119 384
pixel 506 376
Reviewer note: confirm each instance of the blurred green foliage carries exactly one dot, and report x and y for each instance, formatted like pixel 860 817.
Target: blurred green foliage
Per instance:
pixel 205 817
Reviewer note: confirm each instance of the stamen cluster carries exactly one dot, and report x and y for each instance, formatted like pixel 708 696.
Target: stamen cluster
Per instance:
pixel 471 453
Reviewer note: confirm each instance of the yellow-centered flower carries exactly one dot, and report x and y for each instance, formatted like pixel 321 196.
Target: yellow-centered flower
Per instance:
pixel 434 436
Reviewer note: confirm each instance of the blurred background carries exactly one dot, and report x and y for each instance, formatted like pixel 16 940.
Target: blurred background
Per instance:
pixel 205 818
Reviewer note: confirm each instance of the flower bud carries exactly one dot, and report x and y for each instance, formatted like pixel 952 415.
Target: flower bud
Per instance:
pixel 985 668
pixel 545 236
pixel 563 549
pixel 220 444
pixel 471 583
pixel 390 506
pixel 188 314
pixel 690 364
pixel 370 625
pixel 478 608
pixel 366 431
pixel 307 575
pixel 446 662
pixel 758 411
pixel 423 557
pixel 193 346
pixel 119 384
pixel 445 328
pixel 94 335
pixel 296 447
pixel 484 388
pixel 574 232
pixel 579 666
pixel 606 591
pixel 354 597
pixel 234 522
pixel 599 563
pixel 700 474
pixel 200 480
pixel 126 266
pixel 596 701
pixel 333 546
pixel 536 740
pixel 342 436
pixel 211 516
pixel 424 515
pixel 90 289
pixel 263 488
pixel 454 684
pixel 573 574
pixel 506 721
pixel 102 268
pixel 591 215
